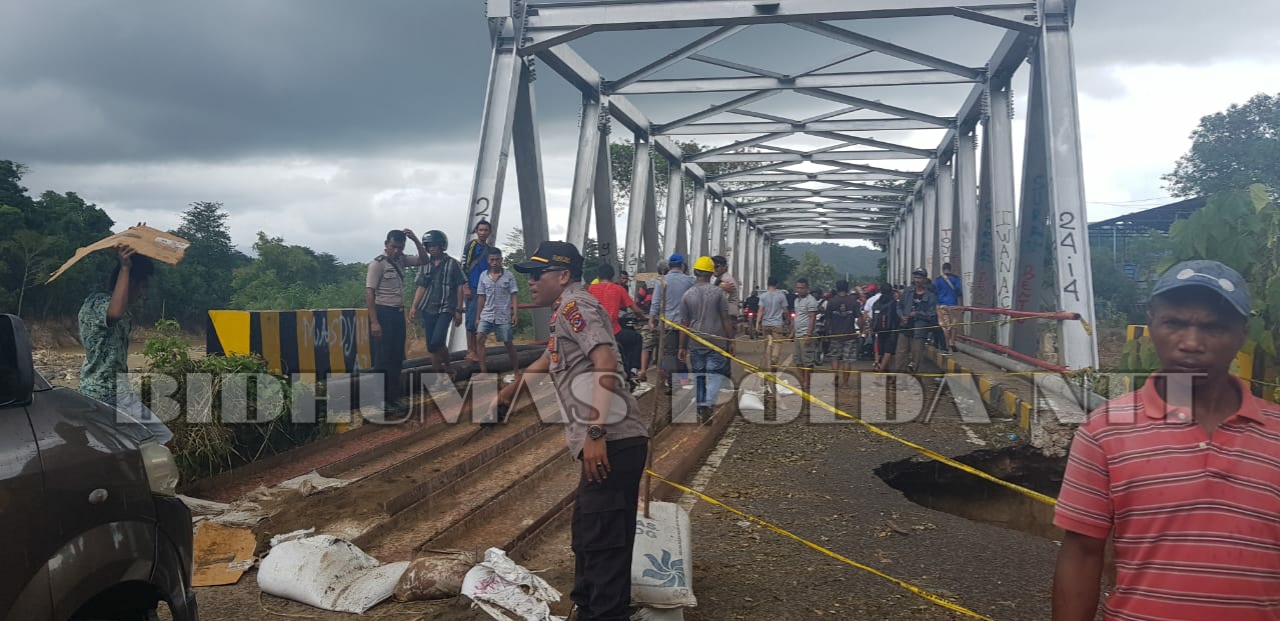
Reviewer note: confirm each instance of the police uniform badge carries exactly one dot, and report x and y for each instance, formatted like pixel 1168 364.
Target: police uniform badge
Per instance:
pixel 573 315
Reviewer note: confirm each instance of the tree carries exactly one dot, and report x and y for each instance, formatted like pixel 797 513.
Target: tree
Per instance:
pixel 203 280
pixel 287 277
pixel 1240 229
pixel 1231 150
pixel 29 247
pixel 820 275
pixel 781 264
pixel 40 234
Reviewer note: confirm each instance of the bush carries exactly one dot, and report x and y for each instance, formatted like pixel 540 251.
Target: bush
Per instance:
pixel 206 447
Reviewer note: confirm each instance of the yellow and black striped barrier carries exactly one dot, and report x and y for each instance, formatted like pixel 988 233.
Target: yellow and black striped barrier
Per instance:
pixel 1253 365
pixel 303 341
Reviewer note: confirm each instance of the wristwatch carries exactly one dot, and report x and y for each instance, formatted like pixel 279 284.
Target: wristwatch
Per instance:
pixel 595 432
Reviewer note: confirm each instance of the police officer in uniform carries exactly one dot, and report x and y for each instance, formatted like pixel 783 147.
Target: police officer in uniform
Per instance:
pixel 602 428
pixel 384 299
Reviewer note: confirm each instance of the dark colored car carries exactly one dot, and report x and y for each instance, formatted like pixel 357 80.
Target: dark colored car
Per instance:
pixel 92 526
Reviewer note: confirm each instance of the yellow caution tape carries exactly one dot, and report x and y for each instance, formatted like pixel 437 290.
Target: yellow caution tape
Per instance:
pixel 874 429
pixel 936 599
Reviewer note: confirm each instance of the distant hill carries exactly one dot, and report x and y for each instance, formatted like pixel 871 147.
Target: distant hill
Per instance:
pixel 856 261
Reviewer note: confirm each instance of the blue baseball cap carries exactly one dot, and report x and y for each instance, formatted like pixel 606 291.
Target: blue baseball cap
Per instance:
pixel 1211 275
pixel 676 259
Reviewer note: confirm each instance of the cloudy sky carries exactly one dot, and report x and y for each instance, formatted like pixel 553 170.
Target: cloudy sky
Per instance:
pixel 327 122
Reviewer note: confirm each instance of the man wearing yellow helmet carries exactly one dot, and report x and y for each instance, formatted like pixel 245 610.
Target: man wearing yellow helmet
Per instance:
pixel 705 311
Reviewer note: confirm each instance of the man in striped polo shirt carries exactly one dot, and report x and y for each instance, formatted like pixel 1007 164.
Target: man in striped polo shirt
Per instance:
pixel 1184 474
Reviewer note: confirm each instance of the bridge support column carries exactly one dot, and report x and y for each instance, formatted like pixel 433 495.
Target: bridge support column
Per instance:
pixel 533 198
pixel 584 172
pixel 998 140
pixel 946 216
pixel 918 209
pixel 674 219
pixel 984 278
pixel 930 263
pixel 636 210
pixel 606 228
pixel 698 207
pixel 1065 186
pixel 739 258
pixel 716 235
pixel 1033 217
pixel 967 242
pixel 505 78
pixel 652 247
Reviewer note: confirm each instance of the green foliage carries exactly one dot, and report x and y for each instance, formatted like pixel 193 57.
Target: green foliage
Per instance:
pixel 204 448
pixel 1139 358
pixel 856 263
pixel 203 280
pixel 1231 150
pixel 781 264
pixel 1241 229
pixel 39 235
pixel 820 275
pixel 296 277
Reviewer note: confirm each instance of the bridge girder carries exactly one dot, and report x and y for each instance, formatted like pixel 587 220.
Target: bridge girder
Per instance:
pixel 926 206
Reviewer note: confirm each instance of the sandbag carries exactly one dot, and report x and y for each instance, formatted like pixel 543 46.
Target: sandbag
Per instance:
pixel 662 558
pixel 438 576
pixel 328 573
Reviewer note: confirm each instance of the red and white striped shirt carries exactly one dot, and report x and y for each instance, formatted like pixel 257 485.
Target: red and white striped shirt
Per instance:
pixel 1196 520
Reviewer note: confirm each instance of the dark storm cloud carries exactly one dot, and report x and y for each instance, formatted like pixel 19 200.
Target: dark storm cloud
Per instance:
pixel 94 81
pixel 85 81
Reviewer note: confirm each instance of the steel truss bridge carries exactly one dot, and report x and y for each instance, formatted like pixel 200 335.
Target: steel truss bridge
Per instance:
pixel 954 202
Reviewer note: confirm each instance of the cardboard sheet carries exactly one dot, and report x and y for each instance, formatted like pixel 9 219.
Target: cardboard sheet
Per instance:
pixel 154 243
pixel 222 554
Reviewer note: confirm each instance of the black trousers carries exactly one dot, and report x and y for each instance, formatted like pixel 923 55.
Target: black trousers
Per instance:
pixel 388 353
pixel 604 531
pixel 630 346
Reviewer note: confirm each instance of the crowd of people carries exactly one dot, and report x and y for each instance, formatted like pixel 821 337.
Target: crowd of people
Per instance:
pixel 1180 475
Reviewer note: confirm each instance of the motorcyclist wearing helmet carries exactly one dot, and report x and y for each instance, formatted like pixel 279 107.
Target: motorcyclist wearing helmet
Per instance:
pixel 439 298
pixel 384 299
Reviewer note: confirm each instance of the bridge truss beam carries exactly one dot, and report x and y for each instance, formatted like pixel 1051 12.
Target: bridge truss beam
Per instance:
pixel 923 206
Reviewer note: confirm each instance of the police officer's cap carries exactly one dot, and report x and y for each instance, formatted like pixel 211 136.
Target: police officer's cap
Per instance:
pixel 551 255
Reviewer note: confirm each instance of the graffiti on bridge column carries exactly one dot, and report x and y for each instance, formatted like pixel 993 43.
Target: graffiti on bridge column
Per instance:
pixel 1004 271
pixel 1067 241
pixel 481 209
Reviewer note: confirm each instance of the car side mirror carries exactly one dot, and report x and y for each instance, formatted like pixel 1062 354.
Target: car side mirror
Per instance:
pixel 17 372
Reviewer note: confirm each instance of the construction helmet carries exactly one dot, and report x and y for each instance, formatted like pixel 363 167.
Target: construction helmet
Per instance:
pixel 704 264
pixel 437 238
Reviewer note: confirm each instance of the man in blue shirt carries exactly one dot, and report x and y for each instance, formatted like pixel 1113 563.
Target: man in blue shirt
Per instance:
pixel 666 299
pixel 498 298
pixel 950 299
pixel 475 262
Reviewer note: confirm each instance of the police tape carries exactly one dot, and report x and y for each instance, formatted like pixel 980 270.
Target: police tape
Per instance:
pixel 874 429
pixel 936 599
pixel 861 335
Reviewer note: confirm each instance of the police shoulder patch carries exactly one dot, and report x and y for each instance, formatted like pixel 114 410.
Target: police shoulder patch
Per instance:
pixel 573 315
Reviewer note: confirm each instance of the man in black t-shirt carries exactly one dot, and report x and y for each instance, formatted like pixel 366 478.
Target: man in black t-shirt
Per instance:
pixel 843 310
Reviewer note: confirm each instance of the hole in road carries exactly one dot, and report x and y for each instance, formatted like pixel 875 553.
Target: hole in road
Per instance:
pixel 943 488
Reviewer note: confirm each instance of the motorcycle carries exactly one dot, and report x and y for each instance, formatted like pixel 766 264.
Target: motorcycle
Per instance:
pixel 750 329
